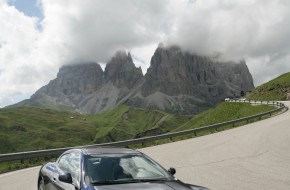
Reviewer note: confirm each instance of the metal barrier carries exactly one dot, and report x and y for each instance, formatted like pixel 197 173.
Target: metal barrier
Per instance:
pixel 54 152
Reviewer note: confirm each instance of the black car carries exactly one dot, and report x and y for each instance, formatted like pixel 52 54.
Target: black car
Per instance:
pixel 107 168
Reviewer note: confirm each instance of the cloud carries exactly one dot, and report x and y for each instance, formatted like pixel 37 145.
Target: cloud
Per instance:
pixel 92 30
pixel 255 30
pixel 235 28
pixel 142 55
pixel 71 31
pixel 22 68
pixel 266 68
pixel 95 29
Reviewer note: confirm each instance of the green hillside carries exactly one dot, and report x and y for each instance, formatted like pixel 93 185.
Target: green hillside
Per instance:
pixel 42 103
pixel 127 123
pixel 26 128
pixel 274 90
pixel 224 112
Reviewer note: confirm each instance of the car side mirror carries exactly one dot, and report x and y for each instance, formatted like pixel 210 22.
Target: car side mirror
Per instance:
pixel 172 171
pixel 66 178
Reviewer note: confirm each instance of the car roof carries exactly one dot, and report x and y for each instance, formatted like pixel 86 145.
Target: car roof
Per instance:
pixel 108 150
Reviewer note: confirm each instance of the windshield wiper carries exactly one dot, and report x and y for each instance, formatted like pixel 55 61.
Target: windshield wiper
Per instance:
pixel 105 182
pixel 145 180
pixel 110 182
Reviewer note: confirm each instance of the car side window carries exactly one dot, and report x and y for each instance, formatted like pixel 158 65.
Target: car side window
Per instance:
pixel 74 166
pixel 63 162
pixel 71 163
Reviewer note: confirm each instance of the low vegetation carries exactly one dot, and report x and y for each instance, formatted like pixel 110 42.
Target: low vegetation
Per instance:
pixel 224 112
pixel 274 90
pixel 24 129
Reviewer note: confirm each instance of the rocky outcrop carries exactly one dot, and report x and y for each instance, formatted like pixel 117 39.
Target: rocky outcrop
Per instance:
pixel 187 83
pixel 174 72
pixel 73 83
pixel 86 88
pixel 122 72
pixel 78 79
pixel 120 76
pixel 176 82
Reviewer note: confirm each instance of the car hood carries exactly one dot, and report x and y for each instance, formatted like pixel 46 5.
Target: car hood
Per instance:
pixel 170 185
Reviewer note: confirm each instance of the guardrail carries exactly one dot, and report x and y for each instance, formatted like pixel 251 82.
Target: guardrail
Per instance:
pixel 54 152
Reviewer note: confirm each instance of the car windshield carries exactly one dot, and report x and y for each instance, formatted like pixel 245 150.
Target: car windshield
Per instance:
pixel 110 169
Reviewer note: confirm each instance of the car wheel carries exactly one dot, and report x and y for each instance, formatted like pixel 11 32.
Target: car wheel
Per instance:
pixel 41 185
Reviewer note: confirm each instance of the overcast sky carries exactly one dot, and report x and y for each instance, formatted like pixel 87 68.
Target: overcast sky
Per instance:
pixel 38 36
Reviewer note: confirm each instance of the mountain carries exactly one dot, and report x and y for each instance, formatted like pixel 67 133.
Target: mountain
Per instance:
pixel 277 89
pixel 176 82
pixel 180 82
pixel 121 71
pixel 86 88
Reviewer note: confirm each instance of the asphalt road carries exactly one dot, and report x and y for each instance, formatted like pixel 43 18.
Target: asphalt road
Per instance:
pixel 251 157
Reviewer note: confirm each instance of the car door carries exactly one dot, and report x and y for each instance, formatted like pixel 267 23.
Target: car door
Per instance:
pixel 68 163
pixel 51 172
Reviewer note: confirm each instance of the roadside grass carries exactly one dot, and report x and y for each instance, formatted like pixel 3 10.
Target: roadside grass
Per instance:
pixel 212 116
pixel 274 90
pixel 16 165
pixel 25 129
pixel 125 123
pixel 225 111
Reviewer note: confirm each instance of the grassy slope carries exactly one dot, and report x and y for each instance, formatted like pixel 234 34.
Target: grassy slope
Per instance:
pixel 23 129
pixel 127 122
pixel 26 128
pixel 224 112
pixel 44 104
pixel 273 90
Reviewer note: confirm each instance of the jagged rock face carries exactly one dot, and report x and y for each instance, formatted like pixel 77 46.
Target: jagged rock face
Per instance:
pixel 121 71
pixel 74 79
pixel 81 78
pixel 87 89
pixel 176 82
pixel 174 73
pixel 72 85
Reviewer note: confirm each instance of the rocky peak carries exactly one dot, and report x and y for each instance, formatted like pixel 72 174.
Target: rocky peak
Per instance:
pixel 80 78
pixel 121 70
pixel 174 72
pixel 168 72
pixel 73 80
pixel 176 82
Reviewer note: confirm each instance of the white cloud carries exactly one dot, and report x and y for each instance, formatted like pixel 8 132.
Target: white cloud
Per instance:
pixel 142 55
pixel 92 30
pixel 95 29
pixel 265 68
pixel 235 28
pixel 255 30
pixel 22 68
pixel 71 31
